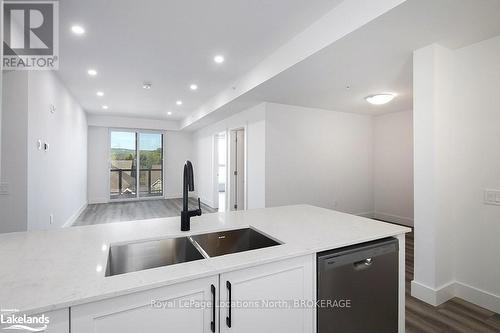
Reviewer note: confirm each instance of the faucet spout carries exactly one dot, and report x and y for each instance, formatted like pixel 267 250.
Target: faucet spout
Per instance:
pixel 188 186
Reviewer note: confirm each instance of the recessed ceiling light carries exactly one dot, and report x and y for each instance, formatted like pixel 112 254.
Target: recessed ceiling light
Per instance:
pixel 169 113
pixel 78 30
pixel 147 85
pixel 193 87
pixel 105 107
pixel 178 102
pixel 380 99
pixel 92 72
pixel 100 93
pixel 219 59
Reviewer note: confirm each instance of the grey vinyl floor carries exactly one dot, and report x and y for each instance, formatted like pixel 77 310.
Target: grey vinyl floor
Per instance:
pixel 135 210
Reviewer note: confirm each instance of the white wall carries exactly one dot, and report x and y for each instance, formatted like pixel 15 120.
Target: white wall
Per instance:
pixel 178 149
pixel 319 157
pixel 457 120
pixel 98 165
pixel 38 179
pixel 14 170
pixel 434 234
pixel 131 122
pixel 301 155
pixel 1 89
pixel 477 161
pixel 204 167
pixel 253 120
pixel 61 172
pixel 393 167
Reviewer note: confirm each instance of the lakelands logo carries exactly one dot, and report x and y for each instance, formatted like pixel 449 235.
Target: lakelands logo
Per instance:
pixel 30 35
pixel 12 320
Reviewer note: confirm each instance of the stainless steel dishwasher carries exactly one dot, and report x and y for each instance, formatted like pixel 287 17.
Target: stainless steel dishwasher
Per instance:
pixel 358 288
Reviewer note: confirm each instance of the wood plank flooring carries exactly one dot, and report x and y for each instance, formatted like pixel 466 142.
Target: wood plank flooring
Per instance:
pixel 456 315
pixel 135 210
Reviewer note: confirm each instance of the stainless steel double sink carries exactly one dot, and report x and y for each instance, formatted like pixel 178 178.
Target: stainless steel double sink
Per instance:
pixel 142 255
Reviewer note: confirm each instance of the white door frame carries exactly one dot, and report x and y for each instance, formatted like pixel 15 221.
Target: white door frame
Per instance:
pixel 215 168
pixel 229 178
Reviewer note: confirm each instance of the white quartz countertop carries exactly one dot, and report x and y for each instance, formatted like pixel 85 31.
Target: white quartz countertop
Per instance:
pixel 48 270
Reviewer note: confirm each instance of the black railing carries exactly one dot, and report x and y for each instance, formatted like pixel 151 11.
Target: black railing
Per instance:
pixel 149 180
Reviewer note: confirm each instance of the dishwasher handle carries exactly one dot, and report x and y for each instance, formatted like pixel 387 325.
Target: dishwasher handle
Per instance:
pixel 363 264
pixel 361 257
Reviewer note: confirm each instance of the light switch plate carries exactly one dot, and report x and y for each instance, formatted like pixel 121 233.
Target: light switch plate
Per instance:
pixel 492 197
pixel 4 189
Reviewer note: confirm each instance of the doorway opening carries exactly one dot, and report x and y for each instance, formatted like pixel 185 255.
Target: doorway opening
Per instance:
pixel 237 163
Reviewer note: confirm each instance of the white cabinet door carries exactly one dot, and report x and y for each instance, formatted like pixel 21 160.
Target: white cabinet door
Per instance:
pixel 259 296
pixel 184 307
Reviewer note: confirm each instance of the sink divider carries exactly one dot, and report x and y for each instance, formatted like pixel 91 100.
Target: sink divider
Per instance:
pixel 198 247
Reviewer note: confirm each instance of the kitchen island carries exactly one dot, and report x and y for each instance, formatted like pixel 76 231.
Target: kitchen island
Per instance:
pixel 62 272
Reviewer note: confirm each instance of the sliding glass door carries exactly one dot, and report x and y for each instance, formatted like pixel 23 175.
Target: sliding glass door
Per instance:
pixel 129 149
pixel 151 164
pixel 123 172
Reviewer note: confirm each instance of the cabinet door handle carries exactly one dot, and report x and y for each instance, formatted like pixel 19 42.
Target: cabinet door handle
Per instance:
pixel 228 318
pixel 212 324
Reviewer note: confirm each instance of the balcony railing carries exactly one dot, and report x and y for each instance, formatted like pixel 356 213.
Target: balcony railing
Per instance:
pixel 154 184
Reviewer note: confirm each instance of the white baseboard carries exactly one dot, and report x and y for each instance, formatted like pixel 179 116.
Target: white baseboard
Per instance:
pixel 167 196
pixel 430 295
pixel 179 195
pixel 207 202
pixel 477 296
pixel 75 216
pixel 394 218
pixel 94 201
pixel 365 214
pixel 173 195
pixel 455 289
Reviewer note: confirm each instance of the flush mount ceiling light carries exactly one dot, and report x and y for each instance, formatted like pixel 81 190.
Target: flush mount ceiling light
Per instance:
pixel 78 30
pixel 219 59
pixel 100 93
pixel 380 99
pixel 169 113
pixel 92 72
pixel 178 102
pixel 193 87
pixel 147 85
pixel 105 107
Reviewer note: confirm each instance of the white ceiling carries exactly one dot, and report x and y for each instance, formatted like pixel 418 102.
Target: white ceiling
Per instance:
pixel 378 57
pixel 171 43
